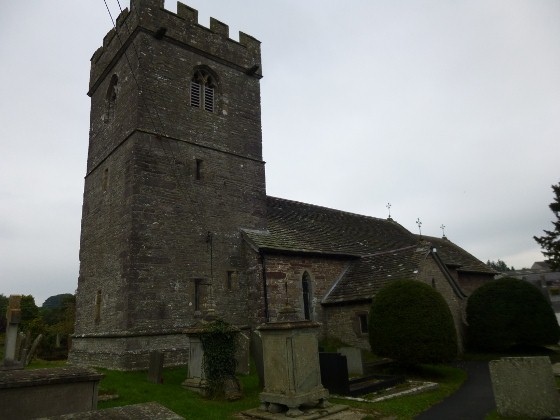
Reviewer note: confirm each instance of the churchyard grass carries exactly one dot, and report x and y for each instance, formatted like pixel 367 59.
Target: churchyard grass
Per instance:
pixel 133 388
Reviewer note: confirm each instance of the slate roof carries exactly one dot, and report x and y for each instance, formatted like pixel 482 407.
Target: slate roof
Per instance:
pixel 365 277
pixel 378 250
pixel 306 228
pixel 455 256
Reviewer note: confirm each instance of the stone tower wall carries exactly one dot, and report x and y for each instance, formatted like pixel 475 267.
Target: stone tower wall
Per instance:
pixel 168 186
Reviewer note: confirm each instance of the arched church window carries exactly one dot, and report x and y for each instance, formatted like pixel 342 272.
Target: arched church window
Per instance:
pixel 307 295
pixel 111 98
pixel 203 89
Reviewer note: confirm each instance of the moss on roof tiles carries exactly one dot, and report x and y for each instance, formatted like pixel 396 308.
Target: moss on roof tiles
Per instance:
pixel 455 256
pixel 365 277
pixel 296 226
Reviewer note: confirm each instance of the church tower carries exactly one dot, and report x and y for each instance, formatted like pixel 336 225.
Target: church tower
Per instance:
pixel 174 172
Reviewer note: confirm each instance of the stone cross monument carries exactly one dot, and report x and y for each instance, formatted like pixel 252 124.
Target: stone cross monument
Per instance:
pixel 13 318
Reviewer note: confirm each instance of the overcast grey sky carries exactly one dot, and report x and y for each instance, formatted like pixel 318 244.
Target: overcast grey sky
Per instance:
pixel 446 109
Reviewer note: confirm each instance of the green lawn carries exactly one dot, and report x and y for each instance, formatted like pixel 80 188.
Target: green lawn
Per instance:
pixel 133 388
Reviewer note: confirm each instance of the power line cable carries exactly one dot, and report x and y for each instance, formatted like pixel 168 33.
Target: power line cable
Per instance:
pixel 160 134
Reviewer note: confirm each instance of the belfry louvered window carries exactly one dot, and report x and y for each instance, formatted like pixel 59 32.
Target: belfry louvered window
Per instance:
pixel 203 90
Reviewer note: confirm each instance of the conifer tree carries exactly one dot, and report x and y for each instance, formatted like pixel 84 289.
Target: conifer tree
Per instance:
pixel 550 242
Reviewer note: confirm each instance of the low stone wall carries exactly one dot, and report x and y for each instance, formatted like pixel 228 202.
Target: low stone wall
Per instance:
pixel 26 394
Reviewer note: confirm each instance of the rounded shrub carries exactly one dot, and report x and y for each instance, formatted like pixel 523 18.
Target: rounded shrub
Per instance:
pixel 508 312
pixel 411 323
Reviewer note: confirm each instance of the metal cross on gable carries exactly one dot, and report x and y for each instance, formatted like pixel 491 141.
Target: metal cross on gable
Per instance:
pixel 442 227
pixel 419 223
pixel 389 208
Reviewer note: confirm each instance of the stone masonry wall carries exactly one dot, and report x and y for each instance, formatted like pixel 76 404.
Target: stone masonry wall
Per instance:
pixel 282 271
pixel 431 274
pixel 342 322
pixel 168 185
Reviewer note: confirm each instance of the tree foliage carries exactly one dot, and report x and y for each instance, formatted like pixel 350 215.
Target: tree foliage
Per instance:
pixel 29 311
pixel 508 312
pixel 499 266
pixel 56 301
pixel 410 322
pixel 55 322
pixel 550 241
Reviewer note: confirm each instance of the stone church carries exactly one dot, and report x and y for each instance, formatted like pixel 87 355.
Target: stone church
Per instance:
pixel 176 221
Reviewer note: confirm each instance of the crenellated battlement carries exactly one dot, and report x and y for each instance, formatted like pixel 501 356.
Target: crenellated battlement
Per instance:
pixel 183 28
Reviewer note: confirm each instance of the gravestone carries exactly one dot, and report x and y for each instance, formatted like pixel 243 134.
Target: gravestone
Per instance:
pixel 292 375
pixel 242 353
pixel 353 360
pixel 524 387
pixel 13 318
pixel 334 372
pixel 196 377
pixel 155 369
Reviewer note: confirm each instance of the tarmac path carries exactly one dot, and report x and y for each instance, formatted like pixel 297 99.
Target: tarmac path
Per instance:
pixel 473 401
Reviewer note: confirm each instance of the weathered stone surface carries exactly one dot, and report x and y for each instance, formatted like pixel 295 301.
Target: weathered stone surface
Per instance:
pixel 13 318
pixel 28 394
pixel 353 360
pixel 524 387
pixel 196 376
pixel 167 188
pixel 146 411
pixel 292 374
pixel 155 369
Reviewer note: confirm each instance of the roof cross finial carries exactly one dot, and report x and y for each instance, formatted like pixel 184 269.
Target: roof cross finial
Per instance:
pixel 442 227
pixel 389 208
pixel 419 223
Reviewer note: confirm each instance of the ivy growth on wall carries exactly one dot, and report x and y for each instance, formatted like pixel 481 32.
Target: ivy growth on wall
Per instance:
pixel 219 344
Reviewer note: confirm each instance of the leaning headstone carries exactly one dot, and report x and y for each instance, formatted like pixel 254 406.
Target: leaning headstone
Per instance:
pixel 155 369
pixel 32 351
pixel 524 387
pixel 353 359
pixel 13 318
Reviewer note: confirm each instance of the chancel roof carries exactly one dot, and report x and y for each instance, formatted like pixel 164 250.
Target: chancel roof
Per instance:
pixel 456 257
pixel 365 277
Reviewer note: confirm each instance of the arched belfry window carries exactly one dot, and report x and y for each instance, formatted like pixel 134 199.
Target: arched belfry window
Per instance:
pixel 203 90
pixel 307 295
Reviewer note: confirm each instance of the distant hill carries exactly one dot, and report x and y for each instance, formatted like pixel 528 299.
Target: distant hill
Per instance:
pixel 55 302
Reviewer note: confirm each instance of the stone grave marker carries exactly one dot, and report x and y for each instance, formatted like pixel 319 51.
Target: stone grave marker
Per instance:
pixel 353 359
pixel 13 318
pixel 155 369
pixel 292 374
pixel 524 387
